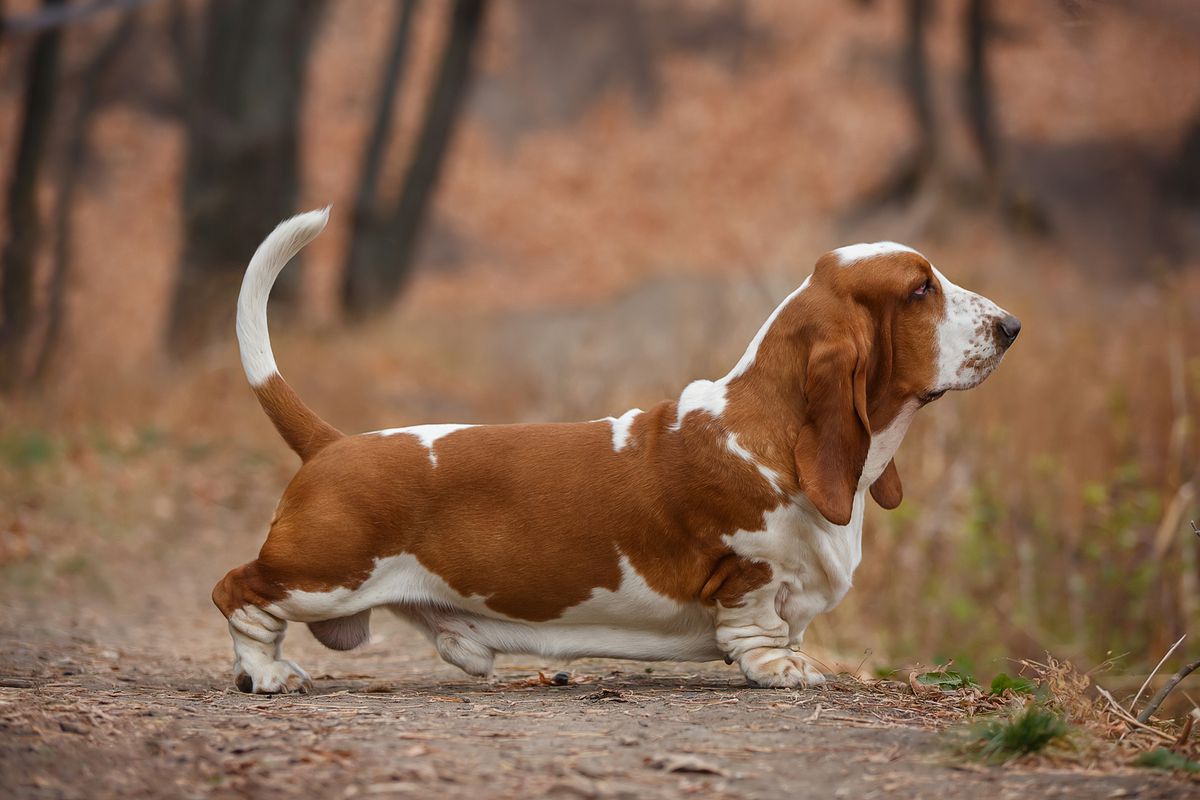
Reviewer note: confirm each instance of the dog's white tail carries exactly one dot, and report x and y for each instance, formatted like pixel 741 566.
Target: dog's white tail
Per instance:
pixel 300 427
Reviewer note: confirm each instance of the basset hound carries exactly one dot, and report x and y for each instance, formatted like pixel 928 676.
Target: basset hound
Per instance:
pixel 715 525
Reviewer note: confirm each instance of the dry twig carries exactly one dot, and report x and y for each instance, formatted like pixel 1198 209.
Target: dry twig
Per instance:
pixel 1121 712
pixel 1157 700
pixel 1154 671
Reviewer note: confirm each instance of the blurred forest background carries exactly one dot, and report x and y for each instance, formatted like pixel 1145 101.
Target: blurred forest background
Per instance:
pixel 559 209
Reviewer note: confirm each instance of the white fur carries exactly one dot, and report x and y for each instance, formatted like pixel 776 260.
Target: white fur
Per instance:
pixel 965 336
pixel 621 426
pixel 426 434
pixel 257 648
pixel 269 259
pixel 705 396
pixel 393 580
pixel 884 445
pixel 853 253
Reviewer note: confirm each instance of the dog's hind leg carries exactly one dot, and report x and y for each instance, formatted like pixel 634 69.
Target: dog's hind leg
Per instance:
pixel 454 635
pixel 259 666
pixel 457 647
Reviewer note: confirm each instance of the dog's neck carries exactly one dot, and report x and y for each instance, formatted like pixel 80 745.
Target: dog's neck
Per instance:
pixel 759 405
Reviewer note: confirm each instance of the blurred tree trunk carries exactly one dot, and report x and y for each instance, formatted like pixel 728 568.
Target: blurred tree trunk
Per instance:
pixel 24 225
pixel 244 90
pixel 1183 172
pixel 916 79
pixel 978 85
pixel 905 179
pixel 366 213
pixel 94 73
pixel 385 255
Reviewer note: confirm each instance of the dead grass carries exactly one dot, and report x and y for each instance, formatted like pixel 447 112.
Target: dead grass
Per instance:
pixel 1096 728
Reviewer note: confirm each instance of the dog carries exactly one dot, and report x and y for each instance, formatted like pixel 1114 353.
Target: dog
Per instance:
pixel 716 525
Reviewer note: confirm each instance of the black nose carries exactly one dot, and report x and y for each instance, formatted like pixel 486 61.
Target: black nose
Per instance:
pixel 1008 328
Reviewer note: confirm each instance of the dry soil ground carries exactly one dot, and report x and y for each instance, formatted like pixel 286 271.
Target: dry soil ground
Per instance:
pixel 147 709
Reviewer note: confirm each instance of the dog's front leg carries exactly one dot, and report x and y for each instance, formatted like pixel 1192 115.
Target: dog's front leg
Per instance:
pixel 798 608
pixel 752 633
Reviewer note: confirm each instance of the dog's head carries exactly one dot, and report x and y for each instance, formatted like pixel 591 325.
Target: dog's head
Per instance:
pixel 875 333
pixel 922 334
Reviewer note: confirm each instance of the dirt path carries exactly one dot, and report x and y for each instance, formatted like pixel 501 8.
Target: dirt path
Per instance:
pixel 92 715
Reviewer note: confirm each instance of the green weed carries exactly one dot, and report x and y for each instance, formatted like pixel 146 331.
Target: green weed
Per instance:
pixel 27 449
pixel 1000 740
pixel 1017 684
pixel 948 680
pixel 1162 758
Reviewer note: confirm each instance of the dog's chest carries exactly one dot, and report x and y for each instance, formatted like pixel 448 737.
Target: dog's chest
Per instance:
pixel 806 552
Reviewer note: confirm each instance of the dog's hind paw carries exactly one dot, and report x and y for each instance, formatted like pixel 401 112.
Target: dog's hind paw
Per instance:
pixel 275 677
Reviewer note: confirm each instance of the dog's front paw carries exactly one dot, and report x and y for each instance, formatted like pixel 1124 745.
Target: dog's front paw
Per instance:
pixel 274 677
pixel 775 667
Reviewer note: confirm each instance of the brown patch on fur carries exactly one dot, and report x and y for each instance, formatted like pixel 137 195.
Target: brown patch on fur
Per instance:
pixel 244 586
pixel 733 577
pixel 533 518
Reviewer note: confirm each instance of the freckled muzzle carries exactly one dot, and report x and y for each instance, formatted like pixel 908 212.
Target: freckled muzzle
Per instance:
pixel 973 336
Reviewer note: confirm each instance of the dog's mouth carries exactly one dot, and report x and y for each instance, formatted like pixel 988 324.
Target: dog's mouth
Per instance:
pixel 929 397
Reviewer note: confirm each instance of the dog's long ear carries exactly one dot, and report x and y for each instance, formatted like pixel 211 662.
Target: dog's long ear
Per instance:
pixel 886 489
pixel 836 432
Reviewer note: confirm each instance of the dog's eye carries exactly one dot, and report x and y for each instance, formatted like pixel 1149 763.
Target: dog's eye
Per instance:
pixel 924 289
